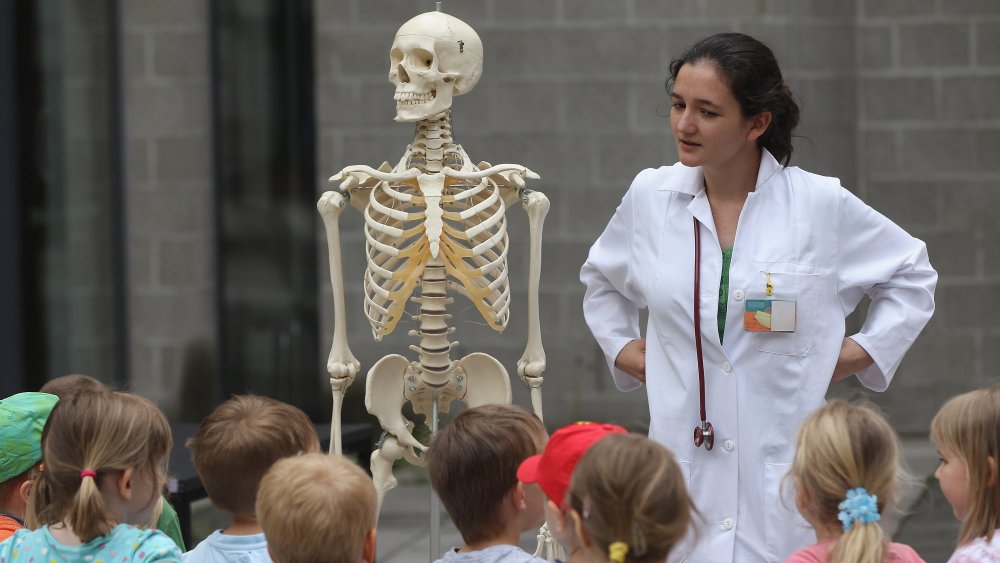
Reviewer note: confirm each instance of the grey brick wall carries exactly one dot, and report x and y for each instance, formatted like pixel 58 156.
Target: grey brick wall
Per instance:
pixel 168 185
pixel 901 100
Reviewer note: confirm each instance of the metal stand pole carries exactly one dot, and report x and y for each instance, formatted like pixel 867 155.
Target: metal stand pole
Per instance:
pixel 435 502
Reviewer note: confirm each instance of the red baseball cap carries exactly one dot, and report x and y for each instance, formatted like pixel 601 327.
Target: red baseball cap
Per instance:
pixel 554 467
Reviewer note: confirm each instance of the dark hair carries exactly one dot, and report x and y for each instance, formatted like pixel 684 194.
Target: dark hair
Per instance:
pixel 473 463
pixel 752 73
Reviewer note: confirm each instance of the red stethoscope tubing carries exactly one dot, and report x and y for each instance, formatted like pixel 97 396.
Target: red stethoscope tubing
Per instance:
pixel 703 434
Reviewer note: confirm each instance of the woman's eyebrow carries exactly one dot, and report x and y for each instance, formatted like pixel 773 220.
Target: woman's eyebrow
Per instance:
pixel 701 101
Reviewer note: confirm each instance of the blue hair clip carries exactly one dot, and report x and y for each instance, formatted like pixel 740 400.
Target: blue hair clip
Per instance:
pixel 858 506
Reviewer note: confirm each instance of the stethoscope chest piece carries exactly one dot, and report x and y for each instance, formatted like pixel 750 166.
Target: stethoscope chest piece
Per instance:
pixel 704 435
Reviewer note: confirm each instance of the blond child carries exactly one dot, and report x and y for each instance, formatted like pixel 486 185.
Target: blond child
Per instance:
pixel 318 508
pixel 105 454
pixel 626 503
pixel 472 465
pixel 846 472
pixel 232 449
pixel 23 417
pixel 966 433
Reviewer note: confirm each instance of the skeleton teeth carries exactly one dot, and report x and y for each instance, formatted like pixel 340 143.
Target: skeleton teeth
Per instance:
pixel 412 98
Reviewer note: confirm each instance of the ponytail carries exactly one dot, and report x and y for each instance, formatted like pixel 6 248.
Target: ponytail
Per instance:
pixel 88 515
pixel 861 543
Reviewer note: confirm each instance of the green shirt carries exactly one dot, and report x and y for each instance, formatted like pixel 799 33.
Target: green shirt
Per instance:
pixel 727 259
pixel 169 524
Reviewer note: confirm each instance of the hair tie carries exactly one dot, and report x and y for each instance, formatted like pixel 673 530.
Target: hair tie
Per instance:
pixel 617 551
pixel 88 473
pixel 858 506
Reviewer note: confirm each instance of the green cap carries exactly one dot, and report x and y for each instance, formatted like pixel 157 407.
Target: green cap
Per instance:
pixel 22 418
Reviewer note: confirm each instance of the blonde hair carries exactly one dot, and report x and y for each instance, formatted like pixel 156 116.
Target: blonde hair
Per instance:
pixel 316 508
pixel 969 426
pixel 840 447
pixel 632 498
pixel 472 463
pixel 238 442
pixel 100 431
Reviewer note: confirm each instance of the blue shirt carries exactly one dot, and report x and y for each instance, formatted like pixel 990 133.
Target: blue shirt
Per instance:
pixel 226 548
pixel 123 544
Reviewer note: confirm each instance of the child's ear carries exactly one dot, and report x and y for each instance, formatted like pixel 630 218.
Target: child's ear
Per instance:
pixel 519 503
pixel 371 542
pixel 24 491
pixel 579 530
pixel 124 483
pixel 271 555
pixel 558 525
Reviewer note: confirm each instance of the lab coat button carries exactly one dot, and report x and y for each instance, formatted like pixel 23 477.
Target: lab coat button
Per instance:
pixel 728 445
pixel 738 295
pixel 727 524
pixel 727 367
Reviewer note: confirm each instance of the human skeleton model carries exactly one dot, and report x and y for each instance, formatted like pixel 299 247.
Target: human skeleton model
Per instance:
pixel 435 221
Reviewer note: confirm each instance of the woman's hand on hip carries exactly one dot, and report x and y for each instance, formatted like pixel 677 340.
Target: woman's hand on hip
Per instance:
pixel 632 359
pixel 853 358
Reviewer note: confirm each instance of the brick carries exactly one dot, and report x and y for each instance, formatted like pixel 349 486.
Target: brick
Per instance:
pixel 136 161
pixel 354 52
pixel 681 37
pixel 968 305
pixel 561 161
pixel 527 107
pixel 185 263
pixel 562 261
pixel 532 11
pixel 180 212
pixel 991 359
pixel 874 46
pixel 611 52
pixel 651 10
pixel 189 13
pixel 594 10
pixel 907 203
pixel 903 8
pixel 970 7
pixel 897 98
pixel 390 11
pixel 165 109
pixel 809 8
pixel 596 106
pixel 938 151
pixel 953 253
pixel 829 149
pixel 86 109
pixel 970 203
pixel 133 56
pixel 988 43
pixel 172 315
pixel 180 54
pixel 650 106
pixel 139 261
pixel 988 147
pixel 934 44
pixel 879 154
pixel 183 159
pixel 621 157
pixel 87 160
pixel 327 13
pixel 825 100
pixel 972 98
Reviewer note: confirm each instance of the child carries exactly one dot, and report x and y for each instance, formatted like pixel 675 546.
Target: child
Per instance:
pixel 105 455
pixel 966 433
pixel 317 508
pixel 166 521
pixel 232 450
pixel 23 416
pixel 626 502
pixel 472 464
pixel 845 470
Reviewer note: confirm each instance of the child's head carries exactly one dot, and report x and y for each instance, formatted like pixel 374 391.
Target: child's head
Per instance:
pixel 553 468
pixel 23 417
pixel 238 442
pixel 966 432
pixel 74 383
pixel 105 460
pixel 627 500
pixel 843 447
pixel 472 463
pixel 317 508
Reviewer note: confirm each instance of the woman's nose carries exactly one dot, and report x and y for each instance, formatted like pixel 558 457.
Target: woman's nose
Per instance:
pixel 685 124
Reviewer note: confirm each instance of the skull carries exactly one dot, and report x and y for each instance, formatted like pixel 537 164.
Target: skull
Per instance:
pixel 434 57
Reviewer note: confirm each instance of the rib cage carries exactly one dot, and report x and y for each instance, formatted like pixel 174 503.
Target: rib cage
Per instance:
pixel 472 245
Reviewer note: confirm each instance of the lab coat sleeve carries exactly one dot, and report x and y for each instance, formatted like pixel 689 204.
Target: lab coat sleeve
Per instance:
pixel 612 302
pixel 878 258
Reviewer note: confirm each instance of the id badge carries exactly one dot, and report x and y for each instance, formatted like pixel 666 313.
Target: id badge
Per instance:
pixel 769 313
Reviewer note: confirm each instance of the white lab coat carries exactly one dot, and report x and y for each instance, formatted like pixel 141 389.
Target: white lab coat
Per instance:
pixel 821 245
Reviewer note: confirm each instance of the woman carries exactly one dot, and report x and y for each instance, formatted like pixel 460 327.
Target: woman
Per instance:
pixel 785 256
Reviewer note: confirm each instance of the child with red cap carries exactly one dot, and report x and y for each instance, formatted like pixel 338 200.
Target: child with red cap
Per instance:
pixel 613 497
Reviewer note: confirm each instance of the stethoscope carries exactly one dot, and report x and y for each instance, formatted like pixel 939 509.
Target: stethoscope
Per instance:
pixel 704 434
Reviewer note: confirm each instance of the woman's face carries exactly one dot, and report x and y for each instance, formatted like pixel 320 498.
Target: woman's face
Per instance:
pixel 953 476
pixel 707 121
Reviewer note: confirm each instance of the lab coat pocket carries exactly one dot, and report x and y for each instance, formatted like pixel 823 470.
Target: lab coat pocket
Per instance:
pixel 787 279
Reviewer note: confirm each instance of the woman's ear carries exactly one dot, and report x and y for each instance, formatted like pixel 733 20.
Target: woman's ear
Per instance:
pixel 758 125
